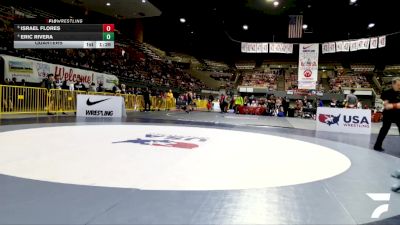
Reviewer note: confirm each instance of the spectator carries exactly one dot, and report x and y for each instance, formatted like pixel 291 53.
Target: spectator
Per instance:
pixel 49 82
pixel 223 103
pixel 79 86
pixel 333 103
pixel 14 81
pixel 92 87
pixel 170 99
pixel 23 83
pixel 238 102
pixel 351 99
pixel 101 88
pixel 116 89
pixel 123 89
pixel 147 102
pixel 58 82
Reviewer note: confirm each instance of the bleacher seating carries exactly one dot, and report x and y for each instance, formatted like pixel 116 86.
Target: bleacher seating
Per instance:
pixel 132 62
pixel 261 79
pixel 358 80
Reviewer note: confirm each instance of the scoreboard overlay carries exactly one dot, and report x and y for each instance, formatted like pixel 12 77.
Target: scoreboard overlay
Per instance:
pixel 63 36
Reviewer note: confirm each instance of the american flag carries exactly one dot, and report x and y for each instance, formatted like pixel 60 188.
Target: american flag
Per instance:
pixel 295 26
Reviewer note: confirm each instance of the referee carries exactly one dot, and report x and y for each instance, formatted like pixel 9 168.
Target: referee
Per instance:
pixel 391 113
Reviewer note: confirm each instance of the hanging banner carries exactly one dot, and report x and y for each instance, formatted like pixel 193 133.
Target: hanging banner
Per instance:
pixel 329 47
pixel 366 43
pixel 254 47
pixel 353 46
pixel 308 65
pixel 346 46
pixel 339 46
pixel 382 42
pixel 288 48
pixel 264 47
pixel 325 48
pixel 374 43
pixel 332 47
pixel 360 44
pixel 273 47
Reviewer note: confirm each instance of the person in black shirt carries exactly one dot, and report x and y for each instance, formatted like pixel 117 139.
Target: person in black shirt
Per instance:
pixel 101 88
pixel 79 86
pixel 49 82
pixel 391 114
pixel 146 98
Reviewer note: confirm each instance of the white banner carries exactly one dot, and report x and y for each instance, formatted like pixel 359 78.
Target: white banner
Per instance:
pixel 308 63
pixel 266 47
pixel 325 48
pixel 374 43
pixel 382 42
pixel 355 121
pixel 366 43
pixel 288 48
pixel 328 47
pixel 35 71
pixel 275 47
pixel 346 46
pixel 254 47
pixel 332 47
pixel 353 46
pixel 100 106
pixel 360 44
pixel 339 46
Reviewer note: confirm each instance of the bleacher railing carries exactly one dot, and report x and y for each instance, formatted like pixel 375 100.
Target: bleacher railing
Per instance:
pixel 19 100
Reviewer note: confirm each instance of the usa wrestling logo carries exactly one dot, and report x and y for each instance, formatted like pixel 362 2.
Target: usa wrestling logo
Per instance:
pixel 170 141
pixel 329 119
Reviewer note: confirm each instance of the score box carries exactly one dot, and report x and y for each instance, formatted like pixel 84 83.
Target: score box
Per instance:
pixel 108 27
pixel 108 36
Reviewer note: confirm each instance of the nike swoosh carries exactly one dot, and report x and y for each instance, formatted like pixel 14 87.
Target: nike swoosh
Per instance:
pixel 88 102
pixel 305 47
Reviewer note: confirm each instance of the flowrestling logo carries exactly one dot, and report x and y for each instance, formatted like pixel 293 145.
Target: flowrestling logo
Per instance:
pixel 329 119
pixel 170 141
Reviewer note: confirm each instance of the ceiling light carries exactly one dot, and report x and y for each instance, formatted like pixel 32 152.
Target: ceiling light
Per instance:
pixel 143 1
pixel 245 27
pixel 108 4
pixel 371 25
pixel 353 1
pixel 276 3
pixel 183 20
pixel 305 26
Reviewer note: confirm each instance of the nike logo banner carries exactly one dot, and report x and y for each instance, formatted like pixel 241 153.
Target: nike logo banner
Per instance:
pixel 88 102
pixel 100 106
